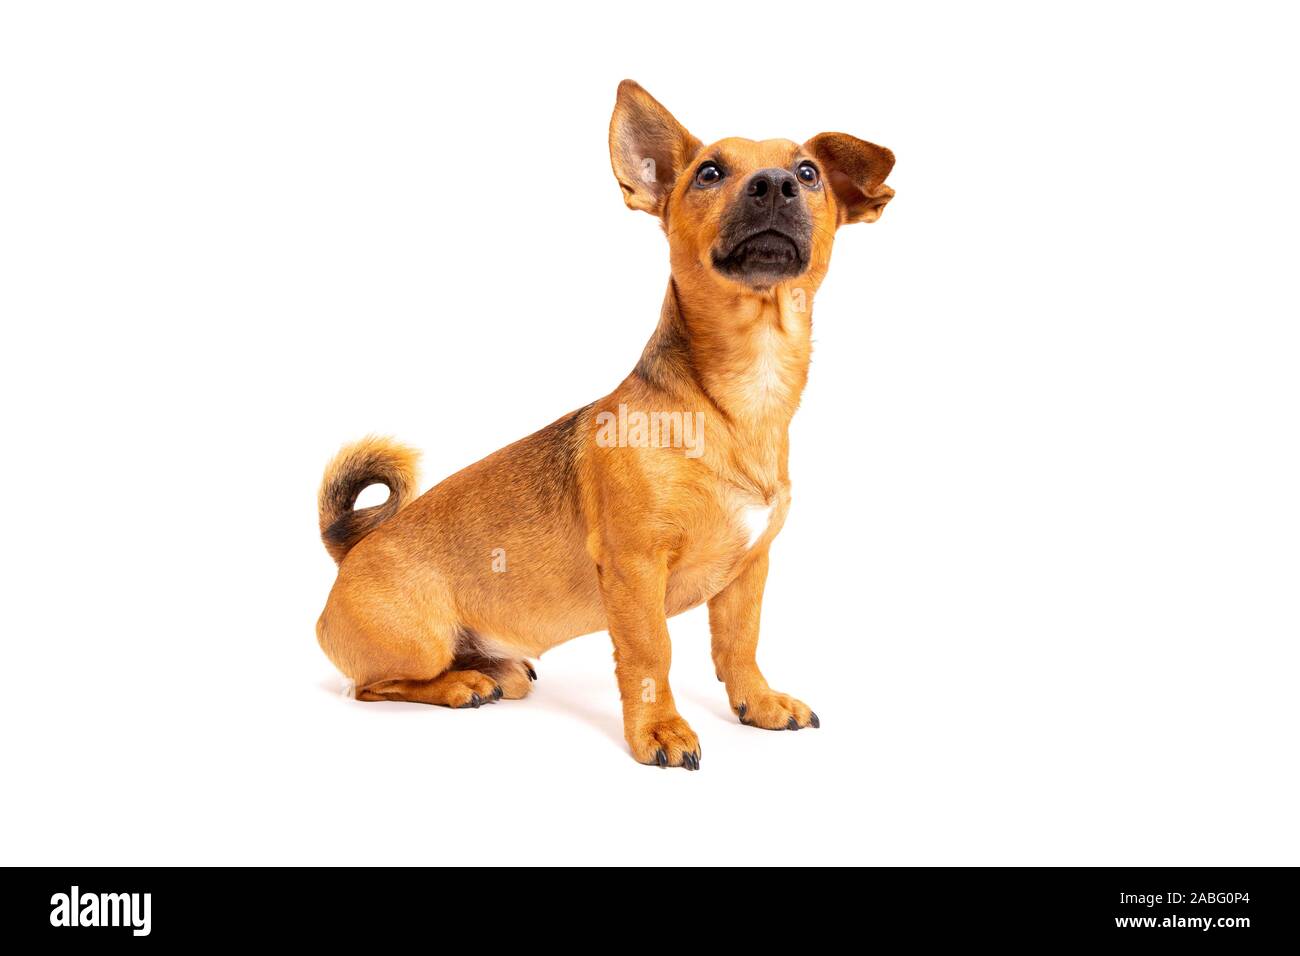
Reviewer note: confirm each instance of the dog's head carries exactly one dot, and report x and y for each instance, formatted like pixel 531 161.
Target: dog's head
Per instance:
pixel 742 212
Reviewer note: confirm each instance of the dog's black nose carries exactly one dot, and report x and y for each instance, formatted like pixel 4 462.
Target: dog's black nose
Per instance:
pixel 772 187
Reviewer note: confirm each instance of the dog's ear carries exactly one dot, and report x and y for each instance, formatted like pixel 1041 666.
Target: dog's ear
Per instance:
pixel 855 171
pixel 647 147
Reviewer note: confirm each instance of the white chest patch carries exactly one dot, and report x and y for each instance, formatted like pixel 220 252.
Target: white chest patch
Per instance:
pixel 755 518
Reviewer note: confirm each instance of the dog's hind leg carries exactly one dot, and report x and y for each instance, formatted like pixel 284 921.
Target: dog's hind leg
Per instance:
pixel 450 689
pixel 399 646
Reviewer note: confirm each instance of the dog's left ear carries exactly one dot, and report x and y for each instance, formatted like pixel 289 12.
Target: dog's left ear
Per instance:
pixel 647 147
pixel 855 171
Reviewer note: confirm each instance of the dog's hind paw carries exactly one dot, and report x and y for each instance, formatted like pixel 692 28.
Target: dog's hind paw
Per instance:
pixel 515 677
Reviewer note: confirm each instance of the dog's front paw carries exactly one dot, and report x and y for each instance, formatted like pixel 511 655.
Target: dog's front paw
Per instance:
pixel 775 711
pixel 666 742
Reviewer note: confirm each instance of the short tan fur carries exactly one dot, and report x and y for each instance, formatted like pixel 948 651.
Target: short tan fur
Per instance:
pixel 444 597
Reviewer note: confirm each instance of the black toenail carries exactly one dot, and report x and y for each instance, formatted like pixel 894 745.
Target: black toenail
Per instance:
pixel 742 711
pixel 475 700
pixel 497 692
pixel 813 719
pixel 661 758
pixel 792 724
pixel 532 674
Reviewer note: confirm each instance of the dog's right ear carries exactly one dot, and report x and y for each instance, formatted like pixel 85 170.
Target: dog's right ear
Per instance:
pixel 647 147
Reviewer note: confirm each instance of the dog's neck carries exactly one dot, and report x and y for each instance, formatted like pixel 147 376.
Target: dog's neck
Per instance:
pixel 746 352
pixel 741 355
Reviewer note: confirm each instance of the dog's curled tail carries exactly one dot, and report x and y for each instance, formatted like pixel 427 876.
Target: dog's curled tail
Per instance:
pixel 371 461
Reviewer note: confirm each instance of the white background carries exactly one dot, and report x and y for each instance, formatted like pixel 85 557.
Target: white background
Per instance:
pixel 1040 576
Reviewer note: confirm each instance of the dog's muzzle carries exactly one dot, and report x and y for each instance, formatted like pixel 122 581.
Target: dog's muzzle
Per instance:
pixel 766 235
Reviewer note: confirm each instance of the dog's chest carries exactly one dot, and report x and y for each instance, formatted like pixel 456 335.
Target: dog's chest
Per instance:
pixel 742 524
pixel 754 521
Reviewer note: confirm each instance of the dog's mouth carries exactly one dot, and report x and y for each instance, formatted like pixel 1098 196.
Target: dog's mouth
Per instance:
pixel 762 258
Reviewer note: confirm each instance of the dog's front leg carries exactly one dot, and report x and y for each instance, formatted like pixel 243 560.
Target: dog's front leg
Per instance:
pixel 633 591
pixel 733 621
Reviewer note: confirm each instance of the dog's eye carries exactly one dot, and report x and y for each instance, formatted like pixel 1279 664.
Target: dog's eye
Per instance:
pixel 709 174
pixel 807 174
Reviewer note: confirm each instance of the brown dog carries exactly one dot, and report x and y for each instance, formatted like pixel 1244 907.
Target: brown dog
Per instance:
pixel 664 494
